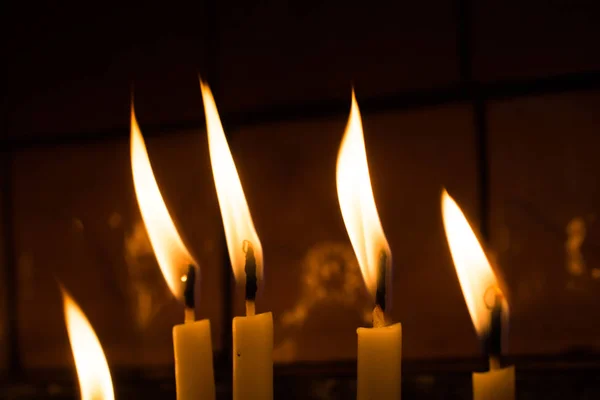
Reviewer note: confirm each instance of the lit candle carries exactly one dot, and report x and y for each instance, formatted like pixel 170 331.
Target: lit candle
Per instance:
pixel 380 347
pixel 192 343
pixel 93 374
pixel 486 302
pixel 252 334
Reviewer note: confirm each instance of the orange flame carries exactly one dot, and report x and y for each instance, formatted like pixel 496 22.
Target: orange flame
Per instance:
pixel 237 220
pixel 93 373
pixel 171 254
pixel 477 280
pixel 357 202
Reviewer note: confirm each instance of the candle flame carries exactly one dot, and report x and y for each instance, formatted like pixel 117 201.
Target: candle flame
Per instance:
pixel 93 373
pixel 357 202
pixel 172 256
pixel 477 280
pixel 237 221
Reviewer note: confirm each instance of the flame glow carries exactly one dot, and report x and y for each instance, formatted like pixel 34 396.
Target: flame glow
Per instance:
pixel 171 254
pixel 357 202
pixel 475 274
pixel 237 220
pixel 93 374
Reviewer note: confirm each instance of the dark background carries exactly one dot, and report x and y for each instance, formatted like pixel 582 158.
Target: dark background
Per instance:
pixel 496 101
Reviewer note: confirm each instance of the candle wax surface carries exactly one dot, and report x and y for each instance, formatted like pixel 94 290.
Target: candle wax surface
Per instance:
pixel 379 363
pixel 194 376
pixel 498 384
pixel 253 357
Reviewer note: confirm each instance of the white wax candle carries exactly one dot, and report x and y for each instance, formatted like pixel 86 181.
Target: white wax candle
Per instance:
pixel 498 384
pixel 194 375
pixel 379 362
pixel 253 357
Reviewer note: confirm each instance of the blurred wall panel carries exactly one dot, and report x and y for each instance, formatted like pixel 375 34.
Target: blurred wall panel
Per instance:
pixel 313 284
pixel 535 38
pixel 77 222
pixel 4 261
pixel 545 203
pixel 273 53
pixel 71 69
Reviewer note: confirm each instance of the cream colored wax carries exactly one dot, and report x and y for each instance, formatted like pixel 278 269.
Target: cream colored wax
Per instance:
pixel 498 384
pixel 379 362
pixel 194 375
pixel 253 357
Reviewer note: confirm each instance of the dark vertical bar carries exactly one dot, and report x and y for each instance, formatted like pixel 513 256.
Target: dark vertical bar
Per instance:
pixel 481 137
pixel 9 264
pixel 463 40
pixel 211 33
pixel 478 101
pixel 228 293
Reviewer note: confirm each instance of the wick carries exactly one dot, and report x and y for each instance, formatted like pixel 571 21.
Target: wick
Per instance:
pixel 494 363
pixel 250 269
pixel 492 341
pixel 250 308
pixel 378 317
pixel 380 294
pixel 188 294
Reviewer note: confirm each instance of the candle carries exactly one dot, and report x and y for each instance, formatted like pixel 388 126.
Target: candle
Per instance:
pixel 93 374
pixel 485 300
pixel 252 334
pixel 194 377
pixel 379 348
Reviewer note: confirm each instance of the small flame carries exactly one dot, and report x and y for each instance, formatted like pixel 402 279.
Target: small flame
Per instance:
pixel 172 255
pixel 357 202
pixel 237 221
pixel 477 280
pixel 95 382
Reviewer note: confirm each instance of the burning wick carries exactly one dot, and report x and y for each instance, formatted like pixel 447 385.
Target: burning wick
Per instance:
pixel 188 294
pixel 492 341
pixel 380 294
pixel 251 280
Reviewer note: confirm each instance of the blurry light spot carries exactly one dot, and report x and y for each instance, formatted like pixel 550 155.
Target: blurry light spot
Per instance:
pixel 78 225
pixel 596 273
pixel 114 221
pixel 183 278
pixel 330 274
pixel 576 232
pixel 285 351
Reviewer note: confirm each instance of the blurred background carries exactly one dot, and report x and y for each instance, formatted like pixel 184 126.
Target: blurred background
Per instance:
pixel 496 101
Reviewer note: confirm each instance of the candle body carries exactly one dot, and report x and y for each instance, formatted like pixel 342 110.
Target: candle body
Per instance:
pixel 498 384
pixel 253 357
pixel 379 362
pixel 194 375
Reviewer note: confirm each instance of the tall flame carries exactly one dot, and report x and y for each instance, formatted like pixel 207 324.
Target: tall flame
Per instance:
pixel 237 220
pixel 357 202
pixel 95 382
pixel 172 255
pixel 477 280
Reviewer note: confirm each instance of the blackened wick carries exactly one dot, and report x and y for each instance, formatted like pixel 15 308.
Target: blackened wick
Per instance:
pixel 250 269
pixel 190 282
pixel 380 294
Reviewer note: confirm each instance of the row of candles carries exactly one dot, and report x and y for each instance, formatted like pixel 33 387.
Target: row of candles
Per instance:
pixel 379 351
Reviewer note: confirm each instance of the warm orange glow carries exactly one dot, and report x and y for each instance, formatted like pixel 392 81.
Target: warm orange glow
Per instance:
pixel 173 258
pixel 475 274
pixel 95 382
pixel 357 202
pixel 237 220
